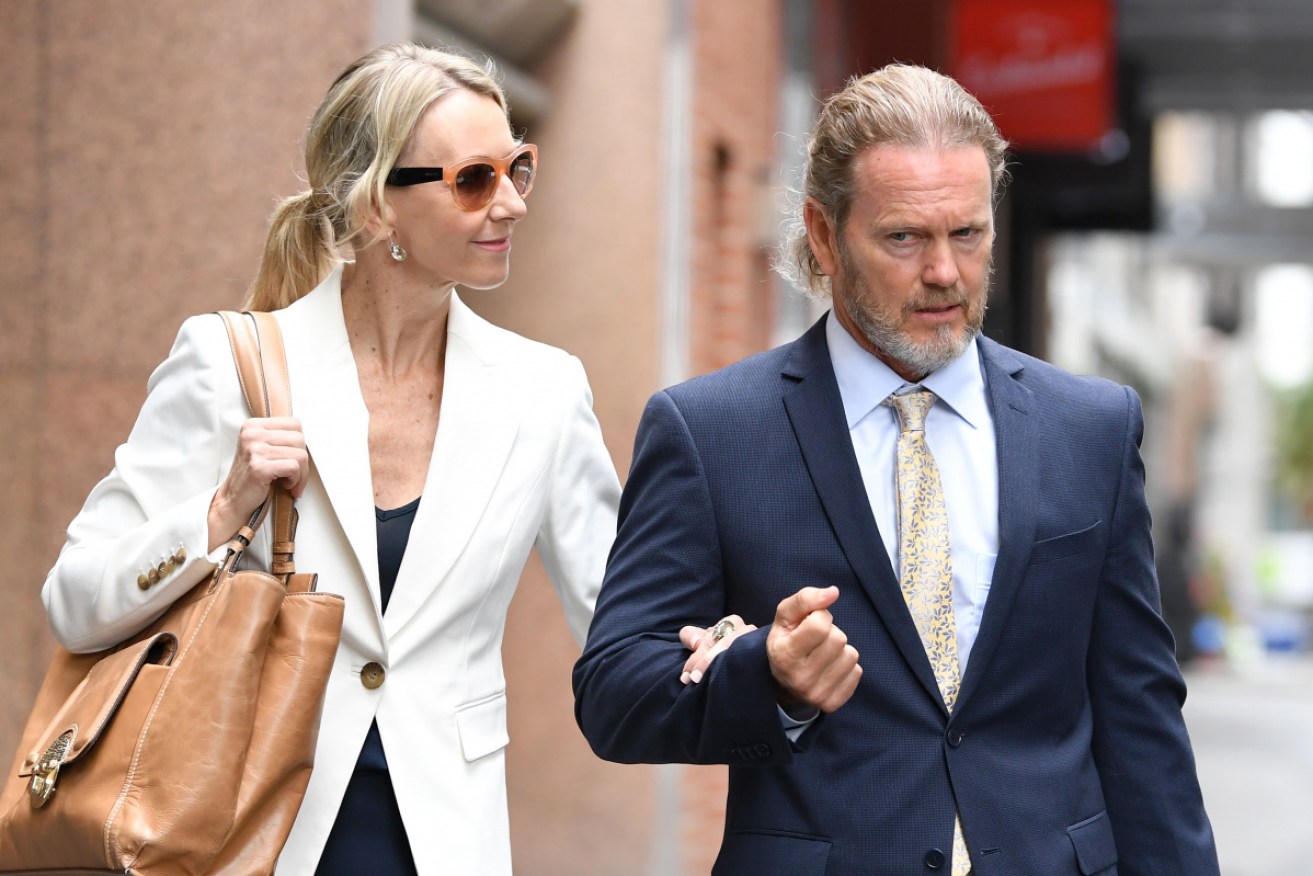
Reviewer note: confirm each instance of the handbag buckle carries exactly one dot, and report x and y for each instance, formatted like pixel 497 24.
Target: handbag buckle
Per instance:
pixel 42 786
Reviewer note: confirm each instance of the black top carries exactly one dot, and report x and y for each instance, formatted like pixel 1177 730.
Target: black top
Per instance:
pixel 393 534
pixel 368 836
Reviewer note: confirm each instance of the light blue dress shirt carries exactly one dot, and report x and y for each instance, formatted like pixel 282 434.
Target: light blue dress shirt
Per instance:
pixel 960 432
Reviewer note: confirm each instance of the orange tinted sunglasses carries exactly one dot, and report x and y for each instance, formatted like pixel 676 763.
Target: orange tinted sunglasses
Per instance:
pixel 473 182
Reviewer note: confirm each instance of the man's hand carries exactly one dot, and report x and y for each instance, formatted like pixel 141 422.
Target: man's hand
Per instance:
pixel 810 657
pixel 706 643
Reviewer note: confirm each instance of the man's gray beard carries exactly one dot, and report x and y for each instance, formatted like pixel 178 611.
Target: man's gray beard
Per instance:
pixel 916 358
pixel 882 329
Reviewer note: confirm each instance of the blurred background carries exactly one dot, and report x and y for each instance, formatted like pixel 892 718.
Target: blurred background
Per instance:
pixel 1158 230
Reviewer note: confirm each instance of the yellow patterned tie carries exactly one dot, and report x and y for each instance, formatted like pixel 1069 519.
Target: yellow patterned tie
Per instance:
pixel 924 561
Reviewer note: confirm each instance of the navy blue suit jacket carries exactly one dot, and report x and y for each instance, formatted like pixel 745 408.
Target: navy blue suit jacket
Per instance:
pixel 1066 752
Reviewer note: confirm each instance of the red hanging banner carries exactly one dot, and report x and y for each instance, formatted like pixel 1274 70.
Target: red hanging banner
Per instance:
pixel 1043 69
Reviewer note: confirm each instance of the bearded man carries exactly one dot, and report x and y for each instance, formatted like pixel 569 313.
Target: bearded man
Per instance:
pixel 939 645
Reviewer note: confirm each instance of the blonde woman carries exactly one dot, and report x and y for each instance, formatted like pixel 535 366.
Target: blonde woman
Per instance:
pixel 430 452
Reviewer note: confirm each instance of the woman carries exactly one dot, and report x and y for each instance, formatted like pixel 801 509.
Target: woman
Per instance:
pixel 430 451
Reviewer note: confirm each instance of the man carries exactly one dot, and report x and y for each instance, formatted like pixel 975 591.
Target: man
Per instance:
pixel 961 666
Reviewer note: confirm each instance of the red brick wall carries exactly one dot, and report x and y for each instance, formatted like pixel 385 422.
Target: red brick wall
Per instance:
pixel 737 65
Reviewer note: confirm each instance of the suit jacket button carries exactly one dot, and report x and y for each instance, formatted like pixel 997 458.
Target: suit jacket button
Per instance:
pixel 372 675
pixel 934 859
pixel 955 737
pixel 143 582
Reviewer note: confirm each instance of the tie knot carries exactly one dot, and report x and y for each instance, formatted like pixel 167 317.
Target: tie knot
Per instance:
pixel 912 408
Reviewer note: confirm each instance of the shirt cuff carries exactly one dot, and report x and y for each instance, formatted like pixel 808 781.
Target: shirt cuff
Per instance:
pixel 795 727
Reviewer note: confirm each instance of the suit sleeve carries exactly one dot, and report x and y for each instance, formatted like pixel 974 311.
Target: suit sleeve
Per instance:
pixel 1140 743
pixel 665 571
pixel 152 507
pixel 580 522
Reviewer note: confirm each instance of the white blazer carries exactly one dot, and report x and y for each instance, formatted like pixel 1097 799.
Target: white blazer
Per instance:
pixel 518 462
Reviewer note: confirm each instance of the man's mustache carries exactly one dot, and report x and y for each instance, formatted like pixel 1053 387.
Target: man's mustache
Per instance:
pixel 937 300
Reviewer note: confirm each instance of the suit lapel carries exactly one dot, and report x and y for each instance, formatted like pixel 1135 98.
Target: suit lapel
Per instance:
pixel 815 409
pixel 1017 434
pixel 476 429
pixel 326 398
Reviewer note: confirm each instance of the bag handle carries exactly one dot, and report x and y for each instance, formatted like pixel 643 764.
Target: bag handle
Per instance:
pixel 257 346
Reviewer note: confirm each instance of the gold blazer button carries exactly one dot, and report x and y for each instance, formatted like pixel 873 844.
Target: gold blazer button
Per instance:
pixel 372 675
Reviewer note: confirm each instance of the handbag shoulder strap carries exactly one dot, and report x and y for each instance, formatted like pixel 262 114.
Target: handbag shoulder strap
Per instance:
pixel 257 346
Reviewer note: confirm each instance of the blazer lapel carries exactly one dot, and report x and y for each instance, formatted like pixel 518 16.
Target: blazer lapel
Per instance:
pixel 1018 441
pixel 326 398
pixel 815 410
pixel 476 429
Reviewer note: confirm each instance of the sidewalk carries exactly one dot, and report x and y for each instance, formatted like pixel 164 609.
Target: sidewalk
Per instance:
pixel 1253 740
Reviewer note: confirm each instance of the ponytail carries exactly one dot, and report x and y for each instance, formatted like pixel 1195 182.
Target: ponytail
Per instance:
pixel 298 254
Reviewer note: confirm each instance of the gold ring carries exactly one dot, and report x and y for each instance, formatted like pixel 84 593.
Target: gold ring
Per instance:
pixel 721 630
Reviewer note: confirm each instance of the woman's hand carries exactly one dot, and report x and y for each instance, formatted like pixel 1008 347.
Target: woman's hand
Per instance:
pixel 268 450
pixel 707 643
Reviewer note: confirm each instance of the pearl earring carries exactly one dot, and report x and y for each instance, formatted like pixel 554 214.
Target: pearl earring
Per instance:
pixel 397 252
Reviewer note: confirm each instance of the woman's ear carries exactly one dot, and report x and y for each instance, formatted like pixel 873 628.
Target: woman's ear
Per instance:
pixel 380 218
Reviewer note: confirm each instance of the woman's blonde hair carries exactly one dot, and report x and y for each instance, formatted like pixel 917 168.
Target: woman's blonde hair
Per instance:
pixel 351 144
pixel 899 105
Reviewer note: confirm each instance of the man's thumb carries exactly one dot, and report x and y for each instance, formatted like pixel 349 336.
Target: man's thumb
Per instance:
pixel 794 609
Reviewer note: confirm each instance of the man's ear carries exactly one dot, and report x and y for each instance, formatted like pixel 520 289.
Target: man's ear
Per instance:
pixel 822 235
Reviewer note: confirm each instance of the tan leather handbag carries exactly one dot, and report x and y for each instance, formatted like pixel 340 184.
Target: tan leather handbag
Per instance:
pixel 186 749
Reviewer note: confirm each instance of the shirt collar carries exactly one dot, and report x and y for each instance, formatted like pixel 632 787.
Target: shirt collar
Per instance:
pixel 865 382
